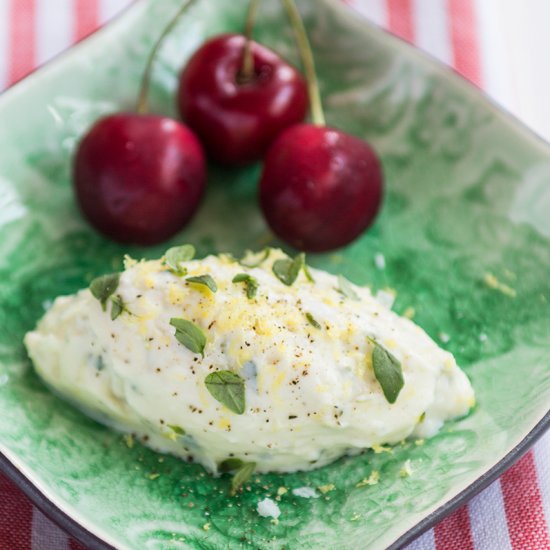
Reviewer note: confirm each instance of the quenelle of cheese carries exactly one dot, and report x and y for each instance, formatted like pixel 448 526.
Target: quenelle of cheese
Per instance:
pixel 263 360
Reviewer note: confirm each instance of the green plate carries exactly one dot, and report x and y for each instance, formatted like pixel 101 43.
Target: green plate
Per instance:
pixel 464 231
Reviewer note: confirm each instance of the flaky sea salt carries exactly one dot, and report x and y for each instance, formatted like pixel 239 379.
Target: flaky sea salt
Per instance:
pixel 305 492
pixel 379 261
pixel 268 508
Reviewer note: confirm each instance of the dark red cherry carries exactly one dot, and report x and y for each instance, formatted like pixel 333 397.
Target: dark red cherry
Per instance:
pixel 320 187
pixel 139 178
pixel 235 120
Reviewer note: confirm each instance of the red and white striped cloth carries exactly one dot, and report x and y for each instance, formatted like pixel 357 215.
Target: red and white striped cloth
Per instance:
pixel 514 512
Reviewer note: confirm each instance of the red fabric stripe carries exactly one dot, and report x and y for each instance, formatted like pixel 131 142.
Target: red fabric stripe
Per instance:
pixel 16 519
pixel 74 545
pixel 21 43
pixel 454 532
pixel 463 23
pixel 86 18
pixel 523 506
pixel 400 19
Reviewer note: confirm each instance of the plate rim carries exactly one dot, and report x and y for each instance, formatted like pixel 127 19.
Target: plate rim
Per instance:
pixel 92 541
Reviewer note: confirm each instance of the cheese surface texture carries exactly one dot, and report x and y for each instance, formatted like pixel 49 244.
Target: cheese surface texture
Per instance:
pixel 302 351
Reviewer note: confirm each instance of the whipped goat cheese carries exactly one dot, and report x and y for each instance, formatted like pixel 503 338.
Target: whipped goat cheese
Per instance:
pixel 262 360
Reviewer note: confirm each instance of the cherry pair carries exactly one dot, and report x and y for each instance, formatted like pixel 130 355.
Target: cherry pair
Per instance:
pixel 139 177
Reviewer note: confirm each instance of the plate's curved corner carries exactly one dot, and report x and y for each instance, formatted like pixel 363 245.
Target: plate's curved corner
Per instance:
pixel 476 487
pixel 50 509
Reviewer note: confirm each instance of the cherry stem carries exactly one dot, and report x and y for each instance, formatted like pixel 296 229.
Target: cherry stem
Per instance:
pixel 143 97
pixel 304 47
pixel 247 66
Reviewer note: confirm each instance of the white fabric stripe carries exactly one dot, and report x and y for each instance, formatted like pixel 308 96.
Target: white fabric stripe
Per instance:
pixel 431 21
pixel 497 76
pixel 488 519
pixel 54 28
pixel 46 534
pixel 109 8
pixel 424 542
pixel 4 53
pixel 520 49
pixel 542 463
pixel 375 10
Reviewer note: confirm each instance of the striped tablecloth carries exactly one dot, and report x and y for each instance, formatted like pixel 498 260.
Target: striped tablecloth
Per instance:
pixel 514 512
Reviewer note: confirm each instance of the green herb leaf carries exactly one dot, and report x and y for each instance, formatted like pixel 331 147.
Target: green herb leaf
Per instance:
pixel 312 321
pixel 103 287
pixel 250 258
pixel 345 288
pixel 287 270
pixel 176 429
pixel 229 257
pixel 176 255
pixel 117 307
pixel 189 334
pixel 230 465
pixel 307 273
pixel 241 476
pixel 227 388
pixel 251 283
pixel 284 271
pixel 205 280
pixel 388 372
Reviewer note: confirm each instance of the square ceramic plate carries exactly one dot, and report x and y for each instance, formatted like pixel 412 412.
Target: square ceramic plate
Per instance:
pixel 464 231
